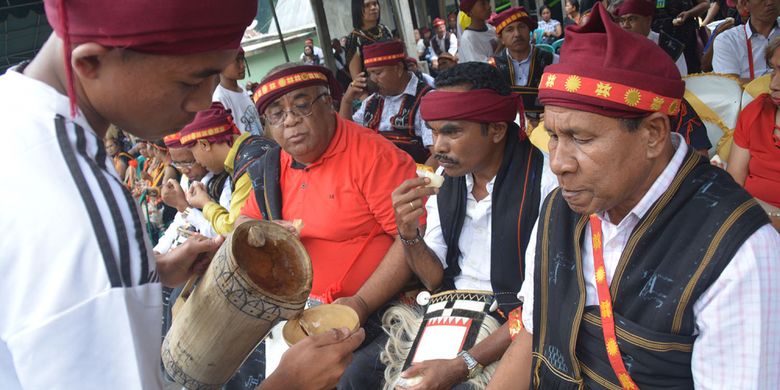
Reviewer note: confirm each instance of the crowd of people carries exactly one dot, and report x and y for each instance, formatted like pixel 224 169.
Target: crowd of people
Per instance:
pixel 620 255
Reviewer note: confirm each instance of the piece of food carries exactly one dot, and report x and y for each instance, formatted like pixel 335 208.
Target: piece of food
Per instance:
pixel 298 225
pixel 426 171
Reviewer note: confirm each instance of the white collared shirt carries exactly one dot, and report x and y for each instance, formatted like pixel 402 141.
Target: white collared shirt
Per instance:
pixel 81 301
pixel 737 317
pixel 523 66
pixel 682 66
pixel 475 238
pixel 730 51
pixel 390 109
pixel 439 42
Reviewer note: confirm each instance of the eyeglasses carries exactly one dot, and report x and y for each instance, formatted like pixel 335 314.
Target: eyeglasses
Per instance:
pixel 275 116
pixel 183 164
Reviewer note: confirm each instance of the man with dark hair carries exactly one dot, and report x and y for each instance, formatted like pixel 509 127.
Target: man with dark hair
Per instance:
pixel 81 288
pixel 521 64
pixel 652 268
pixel 479 221
pixel 393 110
pixel 235 98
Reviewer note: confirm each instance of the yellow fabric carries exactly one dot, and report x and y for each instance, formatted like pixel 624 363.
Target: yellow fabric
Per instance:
pixel 540 138
pixel 759 85
pixel 706 114
pixel 220 218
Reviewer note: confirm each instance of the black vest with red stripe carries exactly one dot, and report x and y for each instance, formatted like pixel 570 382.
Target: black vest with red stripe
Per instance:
pixel 677 250
pixel 529 92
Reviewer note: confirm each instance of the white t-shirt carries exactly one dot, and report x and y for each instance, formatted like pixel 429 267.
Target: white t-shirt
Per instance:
pixel 730 51
pixel 317 52
pixel 477 46
pixel 82 304
pixel 244 111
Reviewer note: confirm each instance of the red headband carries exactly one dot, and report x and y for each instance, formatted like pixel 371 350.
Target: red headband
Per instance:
pixel 172 27
pixel 173 141
pixel 477 105
pixel 287 80
pixel 514 14
pixel 383 54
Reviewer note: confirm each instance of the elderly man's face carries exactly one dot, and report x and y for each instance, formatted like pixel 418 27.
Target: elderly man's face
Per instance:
pixel 516 36
pixel 600 165
pixel 148 95
pixel 390 79
pixel 764 10
pixel 305 138
pixel 183 160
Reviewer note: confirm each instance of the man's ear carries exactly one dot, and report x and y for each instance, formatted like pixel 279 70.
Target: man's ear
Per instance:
pixel 657 128
pixel 497 131
pixel 87 59
pixel 204 145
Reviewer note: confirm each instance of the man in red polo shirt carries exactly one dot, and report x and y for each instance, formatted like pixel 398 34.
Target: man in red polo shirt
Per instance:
pixel 336 177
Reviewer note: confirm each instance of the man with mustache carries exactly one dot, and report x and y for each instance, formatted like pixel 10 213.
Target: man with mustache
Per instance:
pixel 652 268
pixel 521 64
pixel 479 221
pixel 740 51
pixel 336 177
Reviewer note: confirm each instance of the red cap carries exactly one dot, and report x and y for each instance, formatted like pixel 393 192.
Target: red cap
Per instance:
pixel 511 15
pixel 636 7
pixel 173 141
pixel 467 5
pixel 383 54
pixel 173 27
pixel 438 22
pixel 282 82
pixel 214 124
pixel 604 70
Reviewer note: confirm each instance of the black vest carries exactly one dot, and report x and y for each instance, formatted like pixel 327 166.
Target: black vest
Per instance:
pixel 529 92
pixel 703 217
pixel 435 44
pixel 265 175
pixel 250 150
pixel 516 196
pixel 403 134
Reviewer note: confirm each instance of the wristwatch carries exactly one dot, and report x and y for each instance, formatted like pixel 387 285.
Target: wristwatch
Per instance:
pixel 414 241
pixel 472 364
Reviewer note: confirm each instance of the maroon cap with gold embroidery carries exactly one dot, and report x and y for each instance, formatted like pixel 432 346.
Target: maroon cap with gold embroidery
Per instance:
pixel 383 54
pixel 438 22
pixel 605 70
pixel 276 85
pixel 636 7
pixel 511 15
pixel 214 124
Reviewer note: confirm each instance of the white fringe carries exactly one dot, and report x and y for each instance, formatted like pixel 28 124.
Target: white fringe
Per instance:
pixel 401 322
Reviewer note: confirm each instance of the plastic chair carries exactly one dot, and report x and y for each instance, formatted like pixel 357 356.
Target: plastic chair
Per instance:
pixel 537 35
pixel 545 47
pixel 557 45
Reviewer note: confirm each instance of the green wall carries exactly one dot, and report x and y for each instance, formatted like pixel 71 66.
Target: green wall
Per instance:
pixel 261 62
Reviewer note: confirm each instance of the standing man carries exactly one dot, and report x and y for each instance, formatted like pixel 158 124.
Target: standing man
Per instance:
pixel 479 221
pixel 680 19
pixel 608 302
pixel 234 97
pixel 478 41
pixel 521 64
pixel 394 109
pixel 336 177
pixel 73 227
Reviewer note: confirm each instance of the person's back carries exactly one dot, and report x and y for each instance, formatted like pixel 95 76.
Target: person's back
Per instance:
pixel 478 42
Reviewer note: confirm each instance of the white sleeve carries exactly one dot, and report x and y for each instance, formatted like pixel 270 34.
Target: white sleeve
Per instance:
pixel 434 238
pixel 196 219
pixel 357 117
pixel 453 45
pixel 738 320
pixel 465 50
pixel 724 58
pixel 682 66
pixel 100 343
pixel 527 289
pixel 422 130
pixel 166 241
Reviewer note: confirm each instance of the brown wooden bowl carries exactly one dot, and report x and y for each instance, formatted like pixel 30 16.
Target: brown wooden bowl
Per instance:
pixel 320 319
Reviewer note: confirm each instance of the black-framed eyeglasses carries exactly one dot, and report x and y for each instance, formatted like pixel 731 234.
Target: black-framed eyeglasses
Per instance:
pixel 275 116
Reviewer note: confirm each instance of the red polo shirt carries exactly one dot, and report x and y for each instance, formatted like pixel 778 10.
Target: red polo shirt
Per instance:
pixel 344 201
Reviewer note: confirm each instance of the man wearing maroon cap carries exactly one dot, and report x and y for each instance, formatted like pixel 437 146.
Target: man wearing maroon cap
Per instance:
pixel 393 110
pixel 478 41
pixel 637 16
pixel 81 289
pixel 521 64
pixel 652 267
pixel 443 40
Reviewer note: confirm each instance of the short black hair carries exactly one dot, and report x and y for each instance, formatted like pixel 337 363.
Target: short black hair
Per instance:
pixel 478 75
pixel 357 14
pixel 544 7
pixel 575 4
pixel 631 124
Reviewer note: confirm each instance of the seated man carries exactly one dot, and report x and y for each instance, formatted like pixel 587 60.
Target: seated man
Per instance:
pixel 214 141
pixel 393 110
pixel 336 177
pixel 173 194
pixel 478 41
pixel 652 268
pixel 489 165
pixel 735 54
pixel 521 64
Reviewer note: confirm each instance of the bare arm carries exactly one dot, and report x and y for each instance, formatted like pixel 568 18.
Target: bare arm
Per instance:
pixel 558 31
pixel 711 12
pixel 739 158
pixel 514 371
pixel 493 347
pixel 355 65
